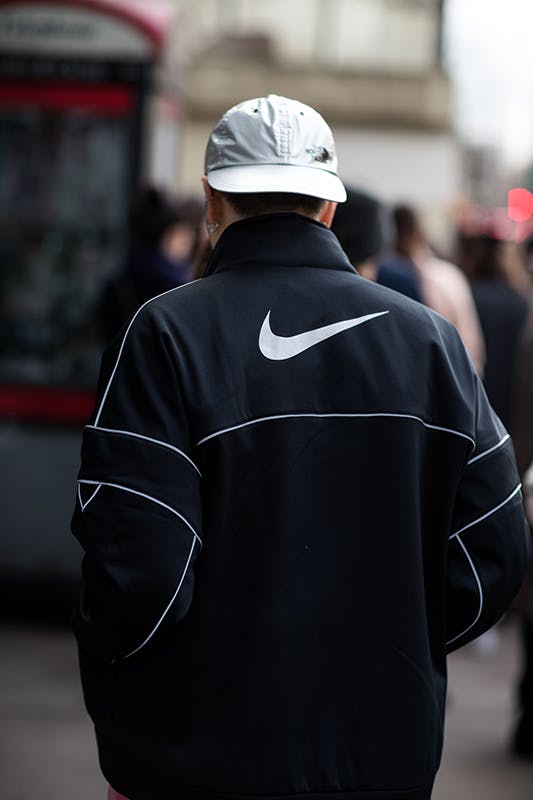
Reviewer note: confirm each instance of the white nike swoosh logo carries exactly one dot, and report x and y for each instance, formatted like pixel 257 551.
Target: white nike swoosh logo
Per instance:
pixel 278 348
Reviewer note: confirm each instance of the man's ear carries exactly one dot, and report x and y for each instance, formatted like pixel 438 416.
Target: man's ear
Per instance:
pixel 327 212
pixel 212 211
pixel 215 212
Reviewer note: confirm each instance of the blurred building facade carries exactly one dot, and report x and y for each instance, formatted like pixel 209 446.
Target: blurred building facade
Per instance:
pixel 372 67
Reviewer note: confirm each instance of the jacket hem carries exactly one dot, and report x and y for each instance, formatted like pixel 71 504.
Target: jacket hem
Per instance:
pixel 129 779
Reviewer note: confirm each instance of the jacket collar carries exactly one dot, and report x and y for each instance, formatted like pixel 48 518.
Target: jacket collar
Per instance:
pixel 272 240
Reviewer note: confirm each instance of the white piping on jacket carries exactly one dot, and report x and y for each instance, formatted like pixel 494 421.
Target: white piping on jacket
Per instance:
pixel 148 439
pixel 132 320
pixel 82 504
pixel 490 450
pixel 147 497
pixel 489 513
pixel 480 590
pixel 335 415
pixel 168 606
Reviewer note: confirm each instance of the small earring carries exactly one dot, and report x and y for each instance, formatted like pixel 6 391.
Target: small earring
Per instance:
pixel 212 227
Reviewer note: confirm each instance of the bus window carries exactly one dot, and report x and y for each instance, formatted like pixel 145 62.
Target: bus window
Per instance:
pixel 65 178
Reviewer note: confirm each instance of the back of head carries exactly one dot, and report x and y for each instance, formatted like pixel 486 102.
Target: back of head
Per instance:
pixel 152 214
pixel 359 226
pixel 489 258
pixel 407 229
pixel 273 154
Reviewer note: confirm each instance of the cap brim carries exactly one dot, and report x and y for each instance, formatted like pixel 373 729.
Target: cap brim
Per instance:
pixel 257 178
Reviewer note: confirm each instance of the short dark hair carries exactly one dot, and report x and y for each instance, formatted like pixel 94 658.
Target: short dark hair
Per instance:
pixel 251 205
pixel 359 225
pixel 407 227
pixel 152 213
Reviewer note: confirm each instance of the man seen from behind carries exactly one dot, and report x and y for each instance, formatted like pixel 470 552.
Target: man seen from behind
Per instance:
pixel 294 500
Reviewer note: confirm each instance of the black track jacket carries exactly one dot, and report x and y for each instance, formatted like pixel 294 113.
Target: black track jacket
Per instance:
pixel 294 498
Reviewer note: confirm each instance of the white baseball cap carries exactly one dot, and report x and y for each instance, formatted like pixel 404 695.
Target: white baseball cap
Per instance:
pixel 273 144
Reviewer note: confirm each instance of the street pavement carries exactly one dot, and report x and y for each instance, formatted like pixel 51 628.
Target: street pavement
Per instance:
pixel 477 763
pixel 47 749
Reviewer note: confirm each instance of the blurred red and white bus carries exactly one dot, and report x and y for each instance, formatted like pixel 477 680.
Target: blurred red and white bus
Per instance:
pixel 88 109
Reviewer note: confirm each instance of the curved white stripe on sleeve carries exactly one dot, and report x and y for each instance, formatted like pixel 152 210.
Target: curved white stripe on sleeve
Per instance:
pixel 148 439
pixel 480 590
pixel 82 504
pixel 147 497
pixel 336 415
pixel 132 320
pixel 167 609
pixel 489 513
pixel 490 450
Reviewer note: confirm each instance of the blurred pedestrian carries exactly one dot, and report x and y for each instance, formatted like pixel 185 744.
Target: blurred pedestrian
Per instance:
pixel 502 308
pixel 397 271
pixel 443 287
pixel 287 505
pixel 523 438
pixel 359 225
pixel 163 239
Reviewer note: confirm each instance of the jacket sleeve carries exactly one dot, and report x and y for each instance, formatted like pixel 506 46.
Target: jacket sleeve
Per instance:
pixel 487 552
pixel 138 508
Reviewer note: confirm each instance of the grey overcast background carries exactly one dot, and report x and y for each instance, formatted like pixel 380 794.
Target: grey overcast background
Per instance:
pixel 489 52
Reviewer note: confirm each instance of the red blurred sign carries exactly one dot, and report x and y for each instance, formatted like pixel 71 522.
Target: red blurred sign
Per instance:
pixel 109 99
pixel 46 405
pixel 519 210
